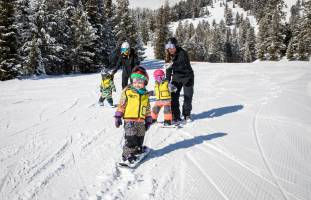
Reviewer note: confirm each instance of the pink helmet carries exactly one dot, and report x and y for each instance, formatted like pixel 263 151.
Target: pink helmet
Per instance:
pixel 159 75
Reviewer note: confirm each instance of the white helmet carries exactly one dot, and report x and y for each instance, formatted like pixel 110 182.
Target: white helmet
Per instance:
pixel 125 45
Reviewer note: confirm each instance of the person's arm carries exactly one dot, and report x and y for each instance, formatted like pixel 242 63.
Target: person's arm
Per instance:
pixel 148 119
pixel 114 62
pixel 181 60
pixel 113 87
pixel 122 102
pixel 169 72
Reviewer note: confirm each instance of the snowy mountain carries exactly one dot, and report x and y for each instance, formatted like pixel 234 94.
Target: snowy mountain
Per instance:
pixel 250 138
pixel 152 4
pixel 218 10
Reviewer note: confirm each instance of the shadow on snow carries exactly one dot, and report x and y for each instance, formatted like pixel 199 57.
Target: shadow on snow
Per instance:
pixel 217 112
pixel 152 64
pixel 182 145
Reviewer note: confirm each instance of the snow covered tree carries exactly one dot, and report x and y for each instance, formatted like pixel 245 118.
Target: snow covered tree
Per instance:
pixel 228 16
pixel 98 20
pixel 271 31
pixel 180 32
pixel 83 41
pixel 35 62
pixel 124 24
pixel 162 33
pixel 24 36
pixel 250 46
pixel 8 40
pixel 305 34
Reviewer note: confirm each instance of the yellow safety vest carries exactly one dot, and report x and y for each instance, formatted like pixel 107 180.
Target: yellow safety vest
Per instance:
pixel 136 106
pixel 106 83
pixel 161 91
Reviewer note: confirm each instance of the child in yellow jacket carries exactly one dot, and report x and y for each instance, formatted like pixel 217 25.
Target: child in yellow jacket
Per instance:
pixel 162 91
pixel 106 88
pixel 134 108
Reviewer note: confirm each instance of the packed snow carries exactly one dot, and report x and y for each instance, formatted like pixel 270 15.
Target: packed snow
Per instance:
pixel 250 138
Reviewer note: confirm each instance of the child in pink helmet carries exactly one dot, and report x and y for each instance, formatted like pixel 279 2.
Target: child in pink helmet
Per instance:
pixel 162 91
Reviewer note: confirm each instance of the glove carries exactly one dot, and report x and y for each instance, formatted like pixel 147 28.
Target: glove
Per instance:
pixel 172 87
pixel 148 122
pixel 167 65
pixel 117 119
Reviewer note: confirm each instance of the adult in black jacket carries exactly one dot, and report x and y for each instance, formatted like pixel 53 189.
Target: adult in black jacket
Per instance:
pixel 181 75
pixel 126 59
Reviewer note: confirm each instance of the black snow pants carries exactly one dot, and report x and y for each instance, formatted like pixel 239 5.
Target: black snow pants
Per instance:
pixel 125 79
pixel 187 104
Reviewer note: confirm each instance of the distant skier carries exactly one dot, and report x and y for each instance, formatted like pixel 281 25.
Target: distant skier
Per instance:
pixel 126 59
pixel 106 87
pixel 180 73
pixel 162 91
pixel 134 108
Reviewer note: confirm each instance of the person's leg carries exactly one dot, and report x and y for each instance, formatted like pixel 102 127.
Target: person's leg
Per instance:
pixel 124 80
pixel 134 138
pixel 175 101
pixel 168 113
pixel 101 100
pixel 110 100
pixel 188 94
pixel 155 111
pixel 130 140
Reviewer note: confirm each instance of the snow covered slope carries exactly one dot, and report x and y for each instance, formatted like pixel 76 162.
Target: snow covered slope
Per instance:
pixel 217 14
pixel 152 4
pixel 250 139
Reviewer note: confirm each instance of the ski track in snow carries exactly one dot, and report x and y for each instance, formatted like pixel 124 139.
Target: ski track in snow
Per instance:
pixel 266 81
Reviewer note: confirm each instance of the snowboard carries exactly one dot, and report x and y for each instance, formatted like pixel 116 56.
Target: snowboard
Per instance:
pixel 161 125
pixel 140 157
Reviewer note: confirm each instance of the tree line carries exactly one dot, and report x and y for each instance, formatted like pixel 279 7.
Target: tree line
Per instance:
pixel 77 36
pixel 62 36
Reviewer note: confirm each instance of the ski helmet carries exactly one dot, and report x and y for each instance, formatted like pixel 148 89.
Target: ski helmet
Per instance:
pixel 159 75
pixel 171 43
pixel 140 73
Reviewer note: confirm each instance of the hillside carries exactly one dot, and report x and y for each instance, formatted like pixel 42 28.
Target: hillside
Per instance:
pixel 250 139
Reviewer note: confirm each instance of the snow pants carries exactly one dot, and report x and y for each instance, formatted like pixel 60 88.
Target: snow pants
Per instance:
pixel 106 95
pixel 125 79
pixel 167 110
pixel 187 104
pixel 134 138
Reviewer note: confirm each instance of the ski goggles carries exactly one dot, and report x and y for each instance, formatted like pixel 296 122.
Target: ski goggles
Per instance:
pixel 138 80
pixel 170 46
pixel 124 50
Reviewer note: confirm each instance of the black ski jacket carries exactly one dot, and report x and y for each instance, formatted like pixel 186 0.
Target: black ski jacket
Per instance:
pixel 181 70
pixel 127 63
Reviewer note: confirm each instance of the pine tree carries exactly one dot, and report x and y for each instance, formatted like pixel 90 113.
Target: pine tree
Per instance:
pixel 124 24
pixel 305 34
pixel 180 33
pixel 294 28
pixel 8 41
pixel 35 63
pixel 161 33
pixel 275 40
pixel 228 16
pixel 84 38
pixel 250 46
pixel 102 46
pixel 23 11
